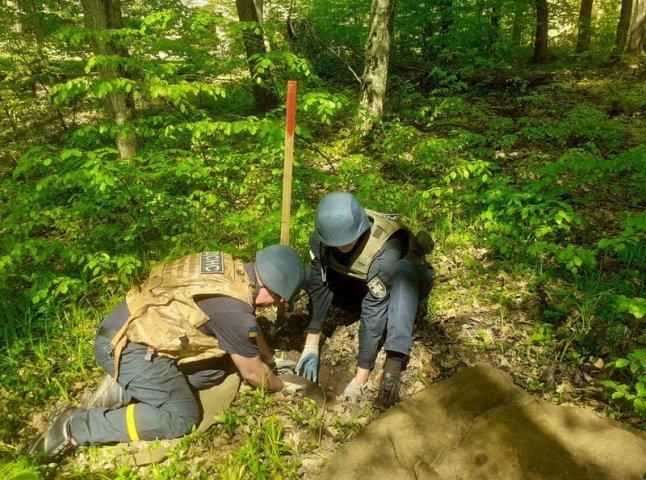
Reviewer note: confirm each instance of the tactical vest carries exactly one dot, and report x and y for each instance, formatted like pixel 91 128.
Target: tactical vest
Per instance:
pixel 383 228
pixel 163 313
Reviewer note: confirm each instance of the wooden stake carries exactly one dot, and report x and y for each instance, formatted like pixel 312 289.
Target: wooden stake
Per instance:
pixel 289 160
pixel 287 175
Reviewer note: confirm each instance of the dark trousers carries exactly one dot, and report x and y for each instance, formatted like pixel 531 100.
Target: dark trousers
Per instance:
pixel 394 315
pixel 409 283
pixel 160 402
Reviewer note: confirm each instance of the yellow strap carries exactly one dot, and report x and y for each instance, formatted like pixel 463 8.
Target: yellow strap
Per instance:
pixel 130 421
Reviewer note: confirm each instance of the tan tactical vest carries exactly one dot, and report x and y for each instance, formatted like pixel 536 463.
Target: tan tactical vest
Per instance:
pixel 383 228
pixel 163 313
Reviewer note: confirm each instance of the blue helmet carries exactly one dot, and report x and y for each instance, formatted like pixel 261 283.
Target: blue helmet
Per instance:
pixel 281 270
pixel 340 219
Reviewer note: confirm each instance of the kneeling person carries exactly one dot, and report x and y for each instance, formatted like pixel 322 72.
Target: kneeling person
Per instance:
pixel 195 308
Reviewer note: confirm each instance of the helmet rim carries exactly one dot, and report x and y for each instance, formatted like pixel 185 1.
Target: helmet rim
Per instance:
pixel 340 219
pixel 281 270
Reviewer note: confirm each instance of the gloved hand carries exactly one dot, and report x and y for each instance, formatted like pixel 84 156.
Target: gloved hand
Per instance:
pixel 282 366
pixel 308 364
pixel 292 387
pixel 352 392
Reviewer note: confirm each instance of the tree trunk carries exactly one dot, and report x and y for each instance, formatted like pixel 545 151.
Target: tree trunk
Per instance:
pixel 446 16
pixel 265 96
pixel 494 31
pixel 585 26
pixel 260 11
pixel 100 15
pixel 622 29
pixel 439 18
pixel 31 20
pixel 517 27
pixel 542 19
pixel 637 42
pixel 375 73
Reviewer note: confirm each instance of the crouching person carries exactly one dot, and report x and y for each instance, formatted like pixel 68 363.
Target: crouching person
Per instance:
pixel 369 264
pixel 197 307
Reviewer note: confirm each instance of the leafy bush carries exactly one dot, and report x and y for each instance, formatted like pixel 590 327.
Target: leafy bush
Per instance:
pixel 633 369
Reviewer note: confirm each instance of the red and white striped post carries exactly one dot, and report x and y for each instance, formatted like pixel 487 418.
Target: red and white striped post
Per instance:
pixel 287 175
pixel 289 161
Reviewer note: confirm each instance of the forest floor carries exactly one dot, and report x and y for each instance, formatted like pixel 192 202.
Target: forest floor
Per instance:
pixel 464 324
pixel 480 310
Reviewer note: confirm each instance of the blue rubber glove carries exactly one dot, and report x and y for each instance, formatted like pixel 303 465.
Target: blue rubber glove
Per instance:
pixel 308 364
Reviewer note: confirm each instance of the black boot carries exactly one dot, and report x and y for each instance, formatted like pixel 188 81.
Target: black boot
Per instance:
pixel 388 390
pixel 55 442
pixel 424 244
pixel 108 394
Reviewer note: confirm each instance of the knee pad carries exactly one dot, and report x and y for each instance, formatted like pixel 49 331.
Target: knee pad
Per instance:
pixel 404 270
pixel 182 421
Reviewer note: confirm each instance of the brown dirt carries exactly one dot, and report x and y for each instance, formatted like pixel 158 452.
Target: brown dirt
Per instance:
pixel 473 326
pixel 466 321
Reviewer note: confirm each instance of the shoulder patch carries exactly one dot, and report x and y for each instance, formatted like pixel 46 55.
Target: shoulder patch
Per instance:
pixel 377 288
pixel 253 331
pixel 211 262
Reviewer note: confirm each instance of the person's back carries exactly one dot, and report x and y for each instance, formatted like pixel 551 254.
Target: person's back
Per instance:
pixel 188 310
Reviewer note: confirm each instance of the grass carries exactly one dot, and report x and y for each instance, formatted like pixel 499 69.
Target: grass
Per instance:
pixel 44 356
pixel 263 451
pixel 532 301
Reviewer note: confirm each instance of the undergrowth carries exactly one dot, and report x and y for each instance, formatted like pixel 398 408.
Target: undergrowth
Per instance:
pixel 553 194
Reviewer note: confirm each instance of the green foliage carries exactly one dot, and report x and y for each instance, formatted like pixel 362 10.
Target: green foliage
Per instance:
pixel 546 210
pixel 101 214
pixel 41 357
pixel 309 414
pixel 628 245
pixel 635 306
pixel 547 180
pixel 332 36
pixel 633 369
pixel 21 469
pixel 542 333
pixel 322 106
pixel 264 452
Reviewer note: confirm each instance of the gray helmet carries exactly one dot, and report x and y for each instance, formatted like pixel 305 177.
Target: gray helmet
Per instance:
pixel 281 270
pixel 340 219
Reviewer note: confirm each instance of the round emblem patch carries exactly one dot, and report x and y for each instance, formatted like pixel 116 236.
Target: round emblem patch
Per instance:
pixel 377 288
